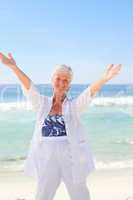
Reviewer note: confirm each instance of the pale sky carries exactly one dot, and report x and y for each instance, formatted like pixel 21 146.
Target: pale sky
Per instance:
pixel 87 35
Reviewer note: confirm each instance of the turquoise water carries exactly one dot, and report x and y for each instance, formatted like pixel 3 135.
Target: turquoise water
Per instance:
pixel 109 121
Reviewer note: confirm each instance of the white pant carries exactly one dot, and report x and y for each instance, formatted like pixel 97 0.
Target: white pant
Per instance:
pixel 59 169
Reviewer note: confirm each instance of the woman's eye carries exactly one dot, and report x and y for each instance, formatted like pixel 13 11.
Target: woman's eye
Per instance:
pixel 65 81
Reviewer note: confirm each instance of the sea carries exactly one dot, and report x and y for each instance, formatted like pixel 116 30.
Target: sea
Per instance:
pixel 109 120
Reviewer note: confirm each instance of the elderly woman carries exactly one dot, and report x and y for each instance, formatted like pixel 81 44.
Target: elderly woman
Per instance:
pixel 59 149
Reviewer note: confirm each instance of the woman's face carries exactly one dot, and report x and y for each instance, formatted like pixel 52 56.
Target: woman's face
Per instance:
pixel 61 82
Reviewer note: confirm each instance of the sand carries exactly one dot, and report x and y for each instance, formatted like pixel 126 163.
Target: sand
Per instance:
pixel 103 185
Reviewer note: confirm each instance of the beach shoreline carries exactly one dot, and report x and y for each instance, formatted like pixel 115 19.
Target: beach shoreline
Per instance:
pixel 103 185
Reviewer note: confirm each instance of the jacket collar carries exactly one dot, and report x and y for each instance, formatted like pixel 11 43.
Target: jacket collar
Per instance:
pixel 67 98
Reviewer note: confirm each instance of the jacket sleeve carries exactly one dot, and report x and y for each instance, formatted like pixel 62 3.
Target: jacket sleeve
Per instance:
pixel 82 102
pixel 33 96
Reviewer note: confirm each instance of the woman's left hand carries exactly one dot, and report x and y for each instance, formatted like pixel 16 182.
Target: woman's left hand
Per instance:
pixel 112 71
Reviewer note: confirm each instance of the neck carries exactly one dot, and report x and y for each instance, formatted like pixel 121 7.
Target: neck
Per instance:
pixel 59 97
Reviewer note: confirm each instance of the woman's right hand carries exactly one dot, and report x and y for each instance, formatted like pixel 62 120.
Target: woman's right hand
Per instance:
pixel 7 60
pixel 10 62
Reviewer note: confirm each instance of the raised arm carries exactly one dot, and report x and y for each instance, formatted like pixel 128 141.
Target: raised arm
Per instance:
pixel 111 72
pixel 11 63
pixel 85 98
pixel 28 87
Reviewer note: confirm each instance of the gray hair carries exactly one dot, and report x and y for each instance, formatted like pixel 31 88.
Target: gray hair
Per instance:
pixel 63 68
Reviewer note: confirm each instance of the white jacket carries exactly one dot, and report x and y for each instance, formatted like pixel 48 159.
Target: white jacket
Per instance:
pixel 81 154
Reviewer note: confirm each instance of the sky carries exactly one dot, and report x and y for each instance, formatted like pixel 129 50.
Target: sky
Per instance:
pixel 87 35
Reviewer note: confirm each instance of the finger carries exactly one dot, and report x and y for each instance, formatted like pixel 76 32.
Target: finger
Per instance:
pixel 10 55
pixel 1 55
pixel 116 73
pixel 118 67
pixel 109 67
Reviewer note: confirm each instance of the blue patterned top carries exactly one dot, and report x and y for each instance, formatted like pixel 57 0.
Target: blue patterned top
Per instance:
pixel 54 125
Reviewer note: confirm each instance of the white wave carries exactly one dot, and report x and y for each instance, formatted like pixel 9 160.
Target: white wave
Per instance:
pixel 97 101
pixel 12 166
pixel 25 105
pixel 126 141
pixel 114 164
pixel 113 101
pixel 106 165
pixel 13 159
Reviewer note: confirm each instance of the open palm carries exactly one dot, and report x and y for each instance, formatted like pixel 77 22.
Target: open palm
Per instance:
pixel 112 71
pixel 7 60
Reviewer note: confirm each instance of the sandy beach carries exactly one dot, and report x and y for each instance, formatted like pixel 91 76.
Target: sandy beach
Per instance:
pixel 103 184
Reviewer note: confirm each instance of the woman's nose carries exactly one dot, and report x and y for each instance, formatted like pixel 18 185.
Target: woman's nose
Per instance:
pixel 61 83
